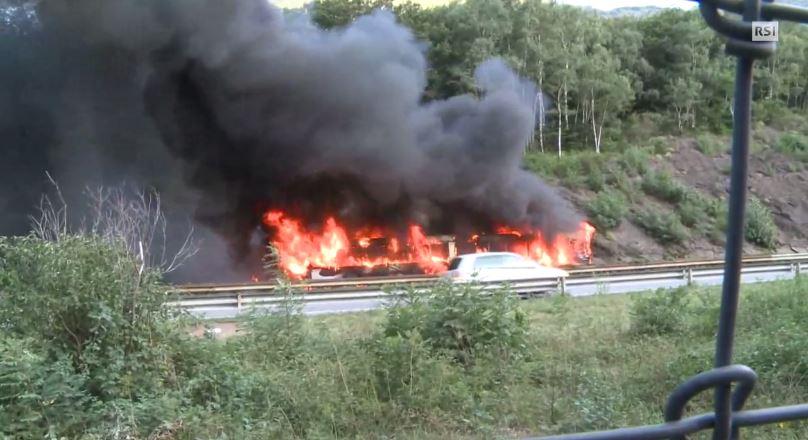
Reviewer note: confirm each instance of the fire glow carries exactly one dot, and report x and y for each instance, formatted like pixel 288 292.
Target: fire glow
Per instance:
pixel 334 246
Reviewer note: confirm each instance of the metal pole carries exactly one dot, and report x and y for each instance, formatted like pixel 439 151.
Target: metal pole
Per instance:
pixel 735 230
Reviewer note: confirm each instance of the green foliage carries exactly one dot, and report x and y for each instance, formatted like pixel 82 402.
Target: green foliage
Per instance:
pixel 760 227
pixel 461 321
pixel 575 170
pixel 282 328
pixel 607 209
pixel 710 145
pixel 92 321
pixel 703 214
pixel 660 313
pixel 661 145
pixel 635 161
pixel 692 211
pixel 642 77
pixel 35 391
pixel 664 226
pixel 451 362
pixel 662 185
pixel 795 144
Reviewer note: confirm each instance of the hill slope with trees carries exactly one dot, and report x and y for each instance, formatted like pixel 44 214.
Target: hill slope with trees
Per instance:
pixel 651 91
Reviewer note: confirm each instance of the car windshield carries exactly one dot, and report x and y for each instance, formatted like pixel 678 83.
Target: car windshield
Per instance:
pixel 503 261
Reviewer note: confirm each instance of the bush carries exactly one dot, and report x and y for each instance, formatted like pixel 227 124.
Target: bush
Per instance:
pixel 635 161
pixel 760 227
pixel 660 145
pixel 660 313
pixel 620 180
pixel 36 392
pixel 662 185
pixel 607 209
pixel 793 143
pixel 704 214
pixel 710 145
pixel 97 329
pixel 283 329
pixel 665 227
pixel 461 321
pixel 595 180
pixel 692 211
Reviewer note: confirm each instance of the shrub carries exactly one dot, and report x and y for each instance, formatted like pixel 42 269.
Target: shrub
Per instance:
pixel 660 145
pixel 660 313
pixel 539 163
pixel 461 321
pixel 283 329
pixel 662 185
pixel 635 161
pixel 607 209
pixel 35 393
pixel 620 180
pixel 760 227
pixel 701 213
pixel 97 328
pixel 710 145
pixel 595 180
pixel 665 227
pixel 793 143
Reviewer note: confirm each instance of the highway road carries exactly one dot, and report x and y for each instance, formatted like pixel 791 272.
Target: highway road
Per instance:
pixel 593 286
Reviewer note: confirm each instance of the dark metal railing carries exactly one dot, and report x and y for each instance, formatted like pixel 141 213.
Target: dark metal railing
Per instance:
pixel 728 415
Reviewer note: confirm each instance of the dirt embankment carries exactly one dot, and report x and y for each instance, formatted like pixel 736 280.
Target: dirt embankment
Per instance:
pixel 778 180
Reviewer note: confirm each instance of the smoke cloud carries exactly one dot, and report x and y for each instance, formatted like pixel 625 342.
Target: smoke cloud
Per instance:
pixel 230 107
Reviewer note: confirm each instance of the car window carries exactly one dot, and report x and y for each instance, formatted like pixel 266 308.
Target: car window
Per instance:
pixel 490 261
pixel 454 264
pixel 515 261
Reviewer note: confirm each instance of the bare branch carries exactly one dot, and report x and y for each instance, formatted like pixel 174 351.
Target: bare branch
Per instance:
pixel 51 224
pixel 130 218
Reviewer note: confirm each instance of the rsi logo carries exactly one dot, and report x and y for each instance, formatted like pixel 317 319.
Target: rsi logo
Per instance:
pixel 765 31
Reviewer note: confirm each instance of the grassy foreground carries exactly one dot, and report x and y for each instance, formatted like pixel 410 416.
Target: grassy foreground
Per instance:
pixel 87 352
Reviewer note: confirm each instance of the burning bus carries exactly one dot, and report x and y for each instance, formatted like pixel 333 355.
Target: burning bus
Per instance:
pixel 332 250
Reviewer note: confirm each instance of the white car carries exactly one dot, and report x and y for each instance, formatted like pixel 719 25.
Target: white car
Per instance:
pixel 498 266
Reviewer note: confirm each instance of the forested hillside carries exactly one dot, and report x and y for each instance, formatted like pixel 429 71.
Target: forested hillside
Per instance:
pixel 652 92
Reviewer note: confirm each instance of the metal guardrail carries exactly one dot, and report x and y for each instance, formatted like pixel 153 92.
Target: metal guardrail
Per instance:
pixel 689 273
pixel 365 283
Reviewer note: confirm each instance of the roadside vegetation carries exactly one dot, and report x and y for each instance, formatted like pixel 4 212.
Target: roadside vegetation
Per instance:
pixel 636 186
pixel 88 352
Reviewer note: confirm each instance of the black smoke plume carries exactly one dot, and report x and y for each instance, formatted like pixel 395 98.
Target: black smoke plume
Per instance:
pixel 231 107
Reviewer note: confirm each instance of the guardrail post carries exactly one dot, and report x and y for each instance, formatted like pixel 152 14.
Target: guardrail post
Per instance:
pixel 796 268
pixel 238 303
pixel 562 285
pixel 689 276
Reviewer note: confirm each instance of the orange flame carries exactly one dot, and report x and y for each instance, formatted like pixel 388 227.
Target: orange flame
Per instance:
pixel 331 246
pixel 564 250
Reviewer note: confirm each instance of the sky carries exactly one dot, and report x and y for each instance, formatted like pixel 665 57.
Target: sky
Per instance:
pixel 612 4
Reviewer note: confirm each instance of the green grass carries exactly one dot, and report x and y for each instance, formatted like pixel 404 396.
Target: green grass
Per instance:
pixel 583 364
pixel 711 145
pixel 794 144
pixel 449 364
